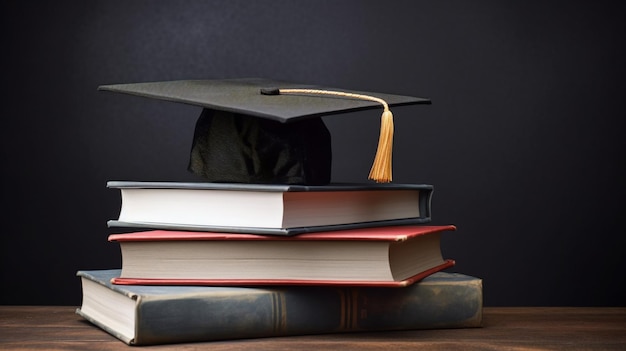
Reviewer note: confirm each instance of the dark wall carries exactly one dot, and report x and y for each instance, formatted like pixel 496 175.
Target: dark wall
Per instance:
pixel 524 141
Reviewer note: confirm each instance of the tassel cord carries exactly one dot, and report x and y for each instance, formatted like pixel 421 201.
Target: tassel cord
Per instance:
pixel 381 168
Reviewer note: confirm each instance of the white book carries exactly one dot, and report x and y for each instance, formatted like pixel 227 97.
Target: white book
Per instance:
pixel 269 209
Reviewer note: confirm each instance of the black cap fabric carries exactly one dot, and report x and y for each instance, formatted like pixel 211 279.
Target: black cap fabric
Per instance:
pixel 250 132
pixel 244 96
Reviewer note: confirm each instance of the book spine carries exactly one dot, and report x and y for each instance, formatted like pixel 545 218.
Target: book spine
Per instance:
pixel 429 304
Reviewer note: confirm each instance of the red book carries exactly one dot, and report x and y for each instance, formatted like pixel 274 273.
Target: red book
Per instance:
pixel 392 256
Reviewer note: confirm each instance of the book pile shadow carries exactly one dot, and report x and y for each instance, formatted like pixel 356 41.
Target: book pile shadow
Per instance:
pixel 209 260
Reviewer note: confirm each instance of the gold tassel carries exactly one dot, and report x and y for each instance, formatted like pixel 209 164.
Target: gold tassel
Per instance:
pixel 381 168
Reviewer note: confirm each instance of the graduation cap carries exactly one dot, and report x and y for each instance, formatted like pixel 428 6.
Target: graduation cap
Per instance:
pixel 266 131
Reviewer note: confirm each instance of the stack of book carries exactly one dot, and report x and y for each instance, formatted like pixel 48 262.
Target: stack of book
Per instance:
pixel 213 261
pixel 219 260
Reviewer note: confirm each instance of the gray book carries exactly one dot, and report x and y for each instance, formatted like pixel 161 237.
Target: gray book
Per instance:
pixel 269 209
pixel 149 315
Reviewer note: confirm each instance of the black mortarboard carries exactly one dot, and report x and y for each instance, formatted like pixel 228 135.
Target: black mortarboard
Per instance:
pixel 266 131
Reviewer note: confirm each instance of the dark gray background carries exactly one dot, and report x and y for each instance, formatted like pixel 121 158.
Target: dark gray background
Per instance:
pixel 523 142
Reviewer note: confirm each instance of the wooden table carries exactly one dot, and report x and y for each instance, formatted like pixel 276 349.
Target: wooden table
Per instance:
pixel 513 328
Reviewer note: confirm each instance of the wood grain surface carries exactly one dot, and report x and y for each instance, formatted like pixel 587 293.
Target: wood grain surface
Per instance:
pixel 508 328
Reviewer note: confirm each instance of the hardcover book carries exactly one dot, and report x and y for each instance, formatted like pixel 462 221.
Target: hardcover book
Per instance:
pixel 269 208
pixel 379 256
pixel 150 315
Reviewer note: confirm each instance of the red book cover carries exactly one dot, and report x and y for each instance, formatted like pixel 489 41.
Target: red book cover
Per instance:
pixel 391 233
pixel 381 234
pixel 264 282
